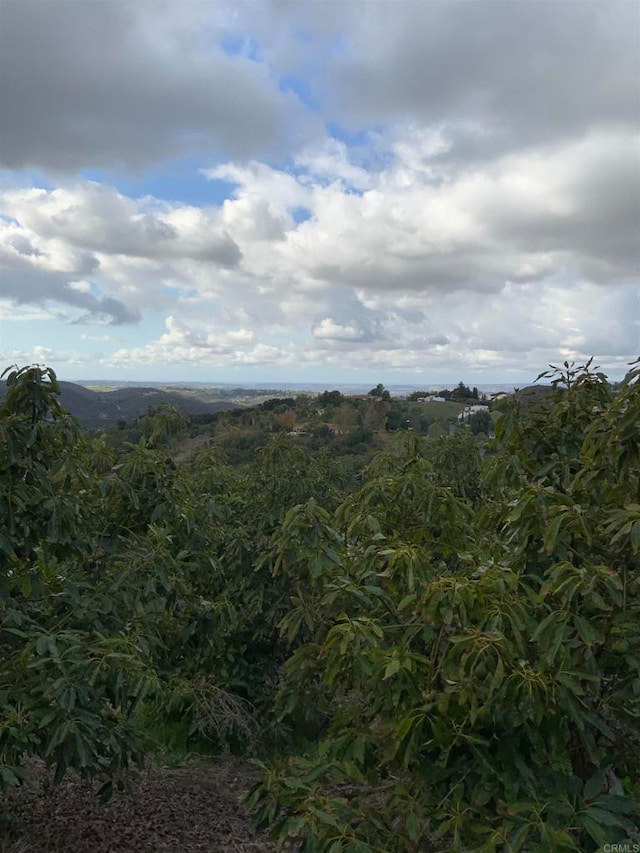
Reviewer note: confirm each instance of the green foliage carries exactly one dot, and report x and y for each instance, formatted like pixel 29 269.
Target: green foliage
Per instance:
pixel 380 391
pixel 463 392
pixel 36 448
pixel 480 423
pixel 472 676
pixel 330 398
pixel 444 646
pixel 131 581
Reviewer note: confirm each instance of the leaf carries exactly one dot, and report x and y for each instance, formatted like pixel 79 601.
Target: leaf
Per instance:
pixel 413 826
pixel 392 668
pixel 596 832
pixel 406 601
pixel 517 838
pixel 8 776
pixel 560 839
pixel 325 818
pixel 594 786
pixel 585 629
pixel 544 625
pixel 551 534
pixel 602 816
pixel 25 584
pixel 615 803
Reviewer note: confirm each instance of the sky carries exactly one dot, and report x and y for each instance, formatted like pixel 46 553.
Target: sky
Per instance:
pixel 338 191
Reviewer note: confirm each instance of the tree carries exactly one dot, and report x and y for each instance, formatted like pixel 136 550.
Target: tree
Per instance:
pixel 463 392
pixel 473 674
pixel 396 419
pixel 480 423
pixel 32 392
pixel 330 398
pixel 374 415
pixel 60 679
pixel 380 391
pixel 347 416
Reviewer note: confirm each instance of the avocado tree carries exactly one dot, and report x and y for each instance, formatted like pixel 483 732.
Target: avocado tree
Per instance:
pixel 66 690
pixel 468 671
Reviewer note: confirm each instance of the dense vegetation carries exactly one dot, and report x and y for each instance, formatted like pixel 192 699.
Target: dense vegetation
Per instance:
pixel 439 651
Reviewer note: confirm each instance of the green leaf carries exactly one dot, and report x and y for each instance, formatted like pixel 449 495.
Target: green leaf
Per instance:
pixel 325 818
pixel 585 629
pixel 551 533
pixel 595 831
pixel 602 816
pixel 392 668
pixel 406 601
pixel 615 803
pixel 413 826
pixel 593 786
pixel 544 625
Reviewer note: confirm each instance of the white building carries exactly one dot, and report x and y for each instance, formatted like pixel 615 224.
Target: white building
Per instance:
pixel 466 413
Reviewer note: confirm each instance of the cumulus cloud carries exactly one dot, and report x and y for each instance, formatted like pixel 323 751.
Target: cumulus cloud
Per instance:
pixel 366 265
pixel 28 286
pixel 94 218
pixel 570 208
pixel 329 330
pixel 186 344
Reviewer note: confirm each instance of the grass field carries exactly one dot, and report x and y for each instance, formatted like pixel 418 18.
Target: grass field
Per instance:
pixel 439 412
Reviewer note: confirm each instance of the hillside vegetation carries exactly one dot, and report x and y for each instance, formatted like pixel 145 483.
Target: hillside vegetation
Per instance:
pixel 100 409
pixel 437 651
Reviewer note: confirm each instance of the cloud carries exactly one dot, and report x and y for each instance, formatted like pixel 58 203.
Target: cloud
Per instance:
pixel 94 218
pixel 10 312
pixel 97 338
pixel 379 264
pixel 568 209
pixel 28 288
pixel 182 343
pixel 522 74
pixel 120 85
pixel 517 331
pixel 433 186
pixel 328 330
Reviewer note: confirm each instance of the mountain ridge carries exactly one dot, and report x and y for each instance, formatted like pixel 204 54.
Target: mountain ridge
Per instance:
pixel 103 409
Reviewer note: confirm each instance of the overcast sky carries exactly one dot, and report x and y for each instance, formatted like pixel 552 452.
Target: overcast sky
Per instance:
pixel 406 192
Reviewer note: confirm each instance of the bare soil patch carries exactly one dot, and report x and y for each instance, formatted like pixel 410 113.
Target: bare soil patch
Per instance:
pixel 194 808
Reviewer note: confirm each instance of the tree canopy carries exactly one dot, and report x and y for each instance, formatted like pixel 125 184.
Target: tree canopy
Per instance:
pixel 440 650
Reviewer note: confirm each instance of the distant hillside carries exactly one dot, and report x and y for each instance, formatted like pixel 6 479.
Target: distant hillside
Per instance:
pixel 101 409
pixel 536 394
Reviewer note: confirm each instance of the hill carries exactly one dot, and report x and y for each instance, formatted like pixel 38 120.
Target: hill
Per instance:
pixel 103 409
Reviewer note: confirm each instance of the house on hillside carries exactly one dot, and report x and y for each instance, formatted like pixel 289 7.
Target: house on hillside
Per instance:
pixel 466 413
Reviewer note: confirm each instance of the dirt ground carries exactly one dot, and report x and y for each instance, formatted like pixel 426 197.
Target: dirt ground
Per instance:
pixel 194 808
